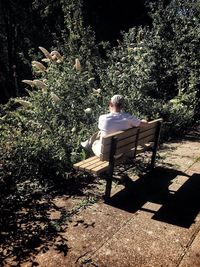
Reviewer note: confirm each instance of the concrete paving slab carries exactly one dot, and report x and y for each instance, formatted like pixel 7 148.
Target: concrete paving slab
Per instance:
pixel 86 233
pixel 184 149
pixel 192 257
pixel 66 202
pixel 195 168
pixel 180 155
pixel 178 182
pixel 176 145
pixel 145 242
pixel 177 162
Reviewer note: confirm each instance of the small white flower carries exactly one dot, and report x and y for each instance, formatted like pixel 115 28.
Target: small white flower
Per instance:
pixel 40 84
pixel 45 52
pixel 55 97
pixel 24 103
pixel 77 65
pixel 29 82
pixel 54 57
pixel 97 91
pixel 38 65
pixel 45 60
pixel 130 48
pixel 57 54
pixel 91 79
pixel 73 129
pixel 88 110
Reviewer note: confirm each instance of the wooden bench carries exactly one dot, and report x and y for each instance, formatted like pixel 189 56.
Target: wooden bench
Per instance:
pixel 132 141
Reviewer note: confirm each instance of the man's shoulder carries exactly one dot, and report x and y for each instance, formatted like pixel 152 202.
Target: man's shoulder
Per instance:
pixel 126 115
pixel 104 116
pixel 115 115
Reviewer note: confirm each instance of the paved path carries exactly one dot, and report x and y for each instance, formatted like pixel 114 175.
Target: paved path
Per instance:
pixel 151 221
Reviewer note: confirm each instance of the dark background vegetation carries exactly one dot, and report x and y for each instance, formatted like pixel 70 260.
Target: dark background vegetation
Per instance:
pixel 27 24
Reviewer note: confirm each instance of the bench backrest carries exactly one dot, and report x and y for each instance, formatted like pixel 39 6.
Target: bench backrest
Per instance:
pixel 129 139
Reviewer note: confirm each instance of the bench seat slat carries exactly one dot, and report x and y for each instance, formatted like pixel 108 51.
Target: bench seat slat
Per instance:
pixel 95 165
pixel 101 168
pixel 88 164
pixel 76 165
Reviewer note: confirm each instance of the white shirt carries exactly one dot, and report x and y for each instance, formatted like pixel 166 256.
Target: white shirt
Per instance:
pixel 113 122
pixel 116 121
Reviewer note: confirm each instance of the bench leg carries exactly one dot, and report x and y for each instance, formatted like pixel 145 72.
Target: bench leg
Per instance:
pixel 155 147
pixel 153 159
pixel 108 186
pixel 111 169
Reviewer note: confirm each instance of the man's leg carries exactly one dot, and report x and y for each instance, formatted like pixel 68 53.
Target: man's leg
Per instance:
pixel 88 143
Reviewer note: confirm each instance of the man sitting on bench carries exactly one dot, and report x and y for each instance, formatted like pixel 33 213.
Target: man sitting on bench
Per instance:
pixel 116 120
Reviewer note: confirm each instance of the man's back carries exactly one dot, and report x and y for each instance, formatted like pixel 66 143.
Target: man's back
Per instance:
pixel 116 121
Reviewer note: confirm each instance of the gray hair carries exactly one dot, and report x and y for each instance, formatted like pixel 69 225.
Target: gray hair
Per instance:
pixel 117 100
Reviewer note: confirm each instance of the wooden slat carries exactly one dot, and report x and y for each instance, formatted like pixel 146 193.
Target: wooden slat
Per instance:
pixel 144 134
pixel 150 125
pixel 76 165
pixel 148 134
pixel 123 149
pixel 94 165
pixel 146 139
pixel 120 143
pixel 89 163
pixel 120 135
pixel 101 168
pixel 104 166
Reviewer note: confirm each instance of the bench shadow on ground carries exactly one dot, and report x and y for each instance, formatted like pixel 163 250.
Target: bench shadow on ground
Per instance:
pixel 177 207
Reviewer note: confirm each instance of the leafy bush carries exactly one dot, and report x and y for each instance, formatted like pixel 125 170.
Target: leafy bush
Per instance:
pixel 156 68
pixel 43 131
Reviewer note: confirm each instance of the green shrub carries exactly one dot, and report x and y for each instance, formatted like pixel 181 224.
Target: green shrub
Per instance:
pixel 156 68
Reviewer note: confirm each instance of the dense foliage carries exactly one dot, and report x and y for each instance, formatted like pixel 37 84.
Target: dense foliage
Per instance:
pixel 156 69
